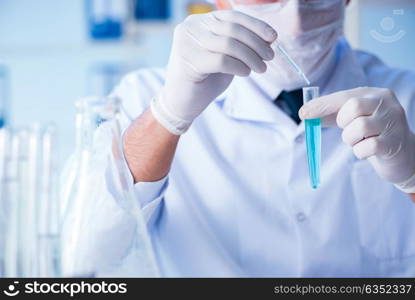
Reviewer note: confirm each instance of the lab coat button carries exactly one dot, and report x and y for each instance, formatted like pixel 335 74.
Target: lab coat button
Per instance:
pixel 301 217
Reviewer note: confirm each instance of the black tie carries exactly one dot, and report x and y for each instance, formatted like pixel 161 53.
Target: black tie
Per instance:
pixel 290 103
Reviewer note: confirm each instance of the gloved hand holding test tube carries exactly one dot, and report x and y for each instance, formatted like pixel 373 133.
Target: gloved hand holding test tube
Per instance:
pixel 312 127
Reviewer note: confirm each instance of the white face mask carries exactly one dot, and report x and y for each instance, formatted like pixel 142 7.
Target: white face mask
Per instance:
pixel 308 30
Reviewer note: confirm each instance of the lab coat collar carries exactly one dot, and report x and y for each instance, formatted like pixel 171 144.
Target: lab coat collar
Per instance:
pixel 249 99
pixel 245 99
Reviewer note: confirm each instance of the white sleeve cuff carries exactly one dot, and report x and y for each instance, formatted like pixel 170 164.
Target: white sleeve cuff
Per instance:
pixel 147 192
pixel 151 195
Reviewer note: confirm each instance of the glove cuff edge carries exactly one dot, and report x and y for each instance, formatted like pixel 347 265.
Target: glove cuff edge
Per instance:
pixel 172 123
pixel 407 186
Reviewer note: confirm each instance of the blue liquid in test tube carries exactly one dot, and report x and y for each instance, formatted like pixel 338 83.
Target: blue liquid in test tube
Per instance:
pixel 313 139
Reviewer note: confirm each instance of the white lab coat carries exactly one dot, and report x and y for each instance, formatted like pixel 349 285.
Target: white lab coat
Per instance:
pixel 237 201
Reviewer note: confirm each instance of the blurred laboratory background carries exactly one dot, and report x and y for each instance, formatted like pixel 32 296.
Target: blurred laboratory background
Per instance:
pixel 53 52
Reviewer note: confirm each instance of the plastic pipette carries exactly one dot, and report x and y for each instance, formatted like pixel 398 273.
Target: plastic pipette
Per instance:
pixel 313 139
pixel 278 47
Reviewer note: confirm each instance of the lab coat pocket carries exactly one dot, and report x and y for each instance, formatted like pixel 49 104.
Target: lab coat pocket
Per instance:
pixel 386 218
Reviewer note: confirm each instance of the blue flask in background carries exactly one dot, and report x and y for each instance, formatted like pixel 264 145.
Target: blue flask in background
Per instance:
pixel 106 18
pixel 152 10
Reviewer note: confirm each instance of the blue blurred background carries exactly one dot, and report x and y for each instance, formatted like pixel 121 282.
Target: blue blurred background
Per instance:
pixel 53 52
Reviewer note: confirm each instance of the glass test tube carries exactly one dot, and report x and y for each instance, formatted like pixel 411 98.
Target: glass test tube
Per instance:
pixel 313 139
pixel 9 203
pixel 48 207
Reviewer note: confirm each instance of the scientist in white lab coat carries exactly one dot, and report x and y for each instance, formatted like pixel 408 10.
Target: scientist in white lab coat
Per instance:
pixel 215 145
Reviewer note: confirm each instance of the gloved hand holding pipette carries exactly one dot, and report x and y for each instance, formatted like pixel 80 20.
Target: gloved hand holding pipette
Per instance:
pixel 375 126
pixel 208 51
